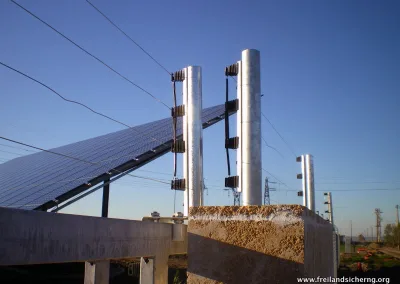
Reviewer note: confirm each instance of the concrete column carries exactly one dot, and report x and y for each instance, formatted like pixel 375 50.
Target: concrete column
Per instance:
pixel 146 271
pixel 161 269
pixel 97 272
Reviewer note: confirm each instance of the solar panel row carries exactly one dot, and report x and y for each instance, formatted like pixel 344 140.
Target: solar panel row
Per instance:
pixel 35 180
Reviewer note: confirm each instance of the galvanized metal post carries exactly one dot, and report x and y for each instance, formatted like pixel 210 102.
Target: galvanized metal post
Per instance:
pixel 250 120
pixel 310 182
pixel 239 164
pixel 185 139
pixel 304 180
pixel 330 208
pixel 193 172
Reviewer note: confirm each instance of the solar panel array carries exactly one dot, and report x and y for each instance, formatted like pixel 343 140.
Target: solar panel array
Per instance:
pixel 31 181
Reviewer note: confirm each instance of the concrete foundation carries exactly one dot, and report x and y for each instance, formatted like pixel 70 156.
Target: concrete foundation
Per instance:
pixel 258 244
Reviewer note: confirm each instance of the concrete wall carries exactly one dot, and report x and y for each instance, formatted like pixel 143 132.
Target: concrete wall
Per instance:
pixel 34 237
pixel 257 244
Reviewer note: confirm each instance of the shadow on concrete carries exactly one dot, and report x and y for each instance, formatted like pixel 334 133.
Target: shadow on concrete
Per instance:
pixel 225 263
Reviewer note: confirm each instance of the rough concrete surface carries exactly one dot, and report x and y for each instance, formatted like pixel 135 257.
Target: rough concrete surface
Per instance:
pixel 254 244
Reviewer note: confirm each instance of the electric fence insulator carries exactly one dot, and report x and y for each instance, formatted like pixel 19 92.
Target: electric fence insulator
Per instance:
pixel 178 146
pixel 178 184
pixel 300 193
pixel 178 76
pixel 232 143
pixel 299 176
pixel 232 182
pixel 178 111
pixel 232 106
pixel 232 70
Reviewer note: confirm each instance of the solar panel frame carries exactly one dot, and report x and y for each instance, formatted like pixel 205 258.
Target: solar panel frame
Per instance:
pixel 35 181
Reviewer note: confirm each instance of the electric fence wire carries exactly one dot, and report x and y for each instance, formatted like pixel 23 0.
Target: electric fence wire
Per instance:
pixel 91 55
pixel 127 36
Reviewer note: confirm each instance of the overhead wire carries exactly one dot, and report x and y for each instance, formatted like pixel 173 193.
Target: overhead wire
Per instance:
pixel 62 97
pixel 277 132
pixel 273 148
pixel 90 54
pixel 76 102
pixel 127 36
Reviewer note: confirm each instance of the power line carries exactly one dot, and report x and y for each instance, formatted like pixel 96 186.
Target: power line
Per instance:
pixel 360 189
pixel 90 54
pixel 273 148
pixel 48 151
pixel 277 132
pixel 65 99
pixel 17 148
pixel 75 102
pixel 126 35
pixel 275 178
pixel 361 182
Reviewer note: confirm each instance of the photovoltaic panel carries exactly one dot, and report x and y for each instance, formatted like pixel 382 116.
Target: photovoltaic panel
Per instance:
pixel 34 181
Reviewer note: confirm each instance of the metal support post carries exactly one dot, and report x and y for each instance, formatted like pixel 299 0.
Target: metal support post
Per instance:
pixel 193 137
pixel 310 182
pixel 106 197
pixel 330 207
pixel 307 177
pixel 249 121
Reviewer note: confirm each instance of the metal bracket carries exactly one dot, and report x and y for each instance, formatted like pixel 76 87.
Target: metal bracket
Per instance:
pixel 178 146
pixel 178 76
pixel 232 182
pixel 178 184
pixel 232 106
pixel 232 143
pixel 299 176
pixel 178 111
pixel 232 70
pixel 300 193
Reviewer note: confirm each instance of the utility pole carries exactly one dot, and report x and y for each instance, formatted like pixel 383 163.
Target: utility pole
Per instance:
pixel 267 189
pixel 378 213
pixel 397 215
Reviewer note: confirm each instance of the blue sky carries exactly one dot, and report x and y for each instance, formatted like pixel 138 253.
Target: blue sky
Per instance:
pixel 330 79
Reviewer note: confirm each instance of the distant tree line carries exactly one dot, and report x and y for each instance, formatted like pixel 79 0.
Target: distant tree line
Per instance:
pixel 392 235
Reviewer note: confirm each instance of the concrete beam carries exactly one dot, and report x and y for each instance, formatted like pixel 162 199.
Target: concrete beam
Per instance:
pixel 34 237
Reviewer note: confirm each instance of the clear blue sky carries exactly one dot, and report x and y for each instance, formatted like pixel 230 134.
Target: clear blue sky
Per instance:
pixel 330 75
